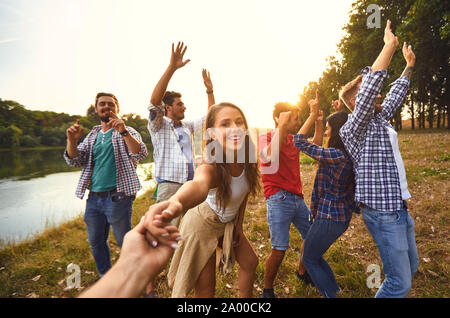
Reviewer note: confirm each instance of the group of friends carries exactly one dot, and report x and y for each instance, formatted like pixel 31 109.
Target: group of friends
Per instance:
pixel 197 220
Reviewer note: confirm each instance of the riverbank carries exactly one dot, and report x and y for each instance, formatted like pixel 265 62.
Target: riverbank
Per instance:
pixel 38 268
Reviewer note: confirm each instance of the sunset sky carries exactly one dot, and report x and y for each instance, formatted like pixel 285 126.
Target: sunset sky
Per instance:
pixel 57 54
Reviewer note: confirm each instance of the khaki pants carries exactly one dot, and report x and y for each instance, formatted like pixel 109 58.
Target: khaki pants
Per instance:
pixel 165 191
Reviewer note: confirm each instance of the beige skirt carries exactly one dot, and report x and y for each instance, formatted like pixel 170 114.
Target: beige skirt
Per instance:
pixel 201 230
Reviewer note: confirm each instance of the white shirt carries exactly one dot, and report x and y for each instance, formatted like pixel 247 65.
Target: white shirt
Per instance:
pixel 239 189
pixel 399 162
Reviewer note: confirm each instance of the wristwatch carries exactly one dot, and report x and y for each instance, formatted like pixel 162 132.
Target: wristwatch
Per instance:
pixel 124 133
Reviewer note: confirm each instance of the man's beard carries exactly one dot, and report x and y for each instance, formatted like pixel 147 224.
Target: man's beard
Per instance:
pixel 104 119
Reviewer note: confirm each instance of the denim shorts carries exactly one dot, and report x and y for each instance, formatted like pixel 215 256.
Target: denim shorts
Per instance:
pixel 284 208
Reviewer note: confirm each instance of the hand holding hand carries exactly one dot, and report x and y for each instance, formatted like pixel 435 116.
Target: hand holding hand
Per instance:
pixel 176 59
pixel 138 250
pixel 409 55
pixel 157 224
pixel 75 132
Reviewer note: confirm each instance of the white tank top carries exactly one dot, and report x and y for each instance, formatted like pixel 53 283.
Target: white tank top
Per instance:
pixel 239 189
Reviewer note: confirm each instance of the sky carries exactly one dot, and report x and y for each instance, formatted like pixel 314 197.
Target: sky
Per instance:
pixel 57 54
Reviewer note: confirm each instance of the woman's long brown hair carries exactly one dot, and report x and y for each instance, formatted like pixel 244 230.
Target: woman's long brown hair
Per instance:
pixel 223 193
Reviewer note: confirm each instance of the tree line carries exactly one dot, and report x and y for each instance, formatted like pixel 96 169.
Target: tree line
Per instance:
pixel 422 23
pixel 20 127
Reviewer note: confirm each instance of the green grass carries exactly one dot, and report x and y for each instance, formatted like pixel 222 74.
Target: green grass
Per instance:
pixel 427 166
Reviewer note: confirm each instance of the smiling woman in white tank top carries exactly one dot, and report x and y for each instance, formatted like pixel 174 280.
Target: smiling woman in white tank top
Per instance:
pixel 213 204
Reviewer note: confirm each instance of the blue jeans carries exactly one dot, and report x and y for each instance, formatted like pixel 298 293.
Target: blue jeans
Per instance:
pixel 393 233
pixel 284 208
pixel 101 212
pixel 321 236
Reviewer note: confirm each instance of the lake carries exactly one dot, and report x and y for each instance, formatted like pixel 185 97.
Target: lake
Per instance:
pixel 37 191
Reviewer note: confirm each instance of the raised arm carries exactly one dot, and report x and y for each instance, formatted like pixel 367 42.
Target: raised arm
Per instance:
pixel 364 109
pixel 318 130
pixel 390 45
pixel 156 107
pixel 209 87
pixel 400 87
pixel 314 105
pixel 176 62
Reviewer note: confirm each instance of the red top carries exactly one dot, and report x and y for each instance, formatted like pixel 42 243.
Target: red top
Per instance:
pixel 288 175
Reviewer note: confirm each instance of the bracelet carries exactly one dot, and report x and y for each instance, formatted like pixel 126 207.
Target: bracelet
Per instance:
pixel 209 92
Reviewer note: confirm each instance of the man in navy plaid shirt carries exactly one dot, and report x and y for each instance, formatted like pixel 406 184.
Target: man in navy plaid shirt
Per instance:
pixel 381 186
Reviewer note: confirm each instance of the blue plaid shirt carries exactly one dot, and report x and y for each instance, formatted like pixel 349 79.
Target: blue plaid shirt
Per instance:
pixel 333 193
pixel 366 139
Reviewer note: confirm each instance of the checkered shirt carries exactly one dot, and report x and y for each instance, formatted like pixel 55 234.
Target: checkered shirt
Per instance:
pixel 333 195
pixel 170 162
pixel 126 162
pixel 367 141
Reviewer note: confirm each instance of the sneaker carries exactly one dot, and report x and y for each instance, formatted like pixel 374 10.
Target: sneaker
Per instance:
pixel 305 278
pixel 268 293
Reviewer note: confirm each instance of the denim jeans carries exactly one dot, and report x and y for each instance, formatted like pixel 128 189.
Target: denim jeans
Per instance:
pixel 393 233
pixel 284 208
pixel 322 234
pixel 101 212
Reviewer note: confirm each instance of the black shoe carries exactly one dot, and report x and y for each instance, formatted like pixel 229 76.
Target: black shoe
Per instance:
pixel 268 293
pixel 305 278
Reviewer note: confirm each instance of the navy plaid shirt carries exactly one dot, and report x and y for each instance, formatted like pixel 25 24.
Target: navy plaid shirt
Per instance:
pixel 333 195
pixel 366 139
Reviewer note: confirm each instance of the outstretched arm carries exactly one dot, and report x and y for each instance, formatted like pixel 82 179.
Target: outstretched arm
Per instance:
pixel 209 87
pixel 189 195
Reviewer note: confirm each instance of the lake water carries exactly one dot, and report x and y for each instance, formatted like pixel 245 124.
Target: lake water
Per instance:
pixel 37 190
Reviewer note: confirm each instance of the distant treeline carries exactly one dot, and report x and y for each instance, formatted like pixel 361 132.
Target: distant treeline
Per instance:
pixel 422 23
pixel 20 127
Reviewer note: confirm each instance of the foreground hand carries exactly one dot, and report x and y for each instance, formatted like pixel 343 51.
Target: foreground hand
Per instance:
pixel 207 80
pixel 409 55
pixel 157 223
pixel 138 250
pixel 75 132
pixel 176 59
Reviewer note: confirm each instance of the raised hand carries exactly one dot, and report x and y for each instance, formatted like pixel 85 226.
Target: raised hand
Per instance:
pixel 409 55
pixel 337 105
pixel 75 132
pixel 176 59
pixel 207 80
pixel 389 37
pixel 314 104
pixel 116 123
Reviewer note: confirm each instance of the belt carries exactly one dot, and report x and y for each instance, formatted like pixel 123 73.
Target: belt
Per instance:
pixel 405 205
pixel 105 193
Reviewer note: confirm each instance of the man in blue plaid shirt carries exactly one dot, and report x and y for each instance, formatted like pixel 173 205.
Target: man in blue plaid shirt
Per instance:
pixel 381 186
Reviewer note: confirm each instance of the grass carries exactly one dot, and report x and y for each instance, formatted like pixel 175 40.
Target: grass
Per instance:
pixel 427 167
